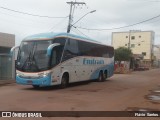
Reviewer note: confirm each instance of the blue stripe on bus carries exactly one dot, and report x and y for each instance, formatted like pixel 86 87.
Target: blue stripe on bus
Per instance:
pixel 44 81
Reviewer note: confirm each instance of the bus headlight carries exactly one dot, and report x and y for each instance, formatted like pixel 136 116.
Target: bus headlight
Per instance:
pixel 19 75
pixel 43 74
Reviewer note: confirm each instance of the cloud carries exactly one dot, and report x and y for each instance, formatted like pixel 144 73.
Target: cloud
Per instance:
pixel 109 14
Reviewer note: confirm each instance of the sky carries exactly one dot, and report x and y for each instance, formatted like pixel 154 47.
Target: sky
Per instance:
pixel 109 14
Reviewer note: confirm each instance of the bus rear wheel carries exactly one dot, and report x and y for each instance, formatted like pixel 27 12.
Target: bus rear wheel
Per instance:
pixel 64 81
pixel 100 77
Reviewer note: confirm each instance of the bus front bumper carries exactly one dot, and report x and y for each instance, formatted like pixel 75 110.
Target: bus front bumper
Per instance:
pixel 43 81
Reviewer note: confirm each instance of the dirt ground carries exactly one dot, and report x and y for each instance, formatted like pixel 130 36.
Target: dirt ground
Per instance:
pixel 122 92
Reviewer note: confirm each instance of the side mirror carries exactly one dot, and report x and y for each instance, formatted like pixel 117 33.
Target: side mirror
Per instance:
pixel 49 49
pixel 13 49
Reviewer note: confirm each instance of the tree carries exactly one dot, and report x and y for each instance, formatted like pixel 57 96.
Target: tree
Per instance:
pixel 123 54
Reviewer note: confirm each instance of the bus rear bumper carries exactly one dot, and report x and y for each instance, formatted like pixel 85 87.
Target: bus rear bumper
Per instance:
pixel 44 81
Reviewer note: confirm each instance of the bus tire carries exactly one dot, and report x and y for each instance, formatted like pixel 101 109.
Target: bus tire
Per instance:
pixel 64 81
pixel 100 77
pixel 35 86
pixel 105 74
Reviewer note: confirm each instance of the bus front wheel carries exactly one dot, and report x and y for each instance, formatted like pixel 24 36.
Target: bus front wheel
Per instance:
pixel 64 81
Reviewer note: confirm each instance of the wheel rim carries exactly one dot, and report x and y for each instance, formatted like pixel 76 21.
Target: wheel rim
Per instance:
pixel 64 82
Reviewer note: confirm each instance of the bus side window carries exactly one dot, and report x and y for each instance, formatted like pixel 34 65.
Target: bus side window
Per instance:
pixel 84 48
pixel 71 49
pixel 56 55
pixel 53 59
pixel 88 49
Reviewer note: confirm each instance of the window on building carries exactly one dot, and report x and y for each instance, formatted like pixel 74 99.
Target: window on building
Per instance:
pixel 126 36
pixel 132 45
pixel 139 44
pixel 126 44
pixel 144 53
pixel 140 36
pixel 132 37
pixel 4 49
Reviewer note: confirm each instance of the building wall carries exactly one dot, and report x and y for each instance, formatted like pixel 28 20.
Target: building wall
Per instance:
pixel 7 40
pixel 141 42
pixel 7 63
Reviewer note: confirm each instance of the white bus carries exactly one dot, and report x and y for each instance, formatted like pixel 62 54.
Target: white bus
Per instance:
pixel 58 59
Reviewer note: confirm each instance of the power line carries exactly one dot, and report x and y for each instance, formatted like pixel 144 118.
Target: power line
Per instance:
pixel 75 31
pixel 121 26
pixel 29 13
pixel 30 22
pixel 58 24
pixel 82 33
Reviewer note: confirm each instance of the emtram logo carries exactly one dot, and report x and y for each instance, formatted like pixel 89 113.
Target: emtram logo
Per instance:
pixel 92 61
pixel 6 114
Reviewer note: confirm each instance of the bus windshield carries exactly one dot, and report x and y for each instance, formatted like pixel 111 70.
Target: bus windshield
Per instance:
pixel 32 56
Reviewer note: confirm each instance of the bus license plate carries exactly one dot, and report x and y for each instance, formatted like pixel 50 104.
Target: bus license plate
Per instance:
pixel 29 82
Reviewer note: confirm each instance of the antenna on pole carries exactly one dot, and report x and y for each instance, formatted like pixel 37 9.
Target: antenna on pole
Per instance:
pixel 70 14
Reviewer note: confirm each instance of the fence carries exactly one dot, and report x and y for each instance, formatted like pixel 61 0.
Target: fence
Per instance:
pixel 122 68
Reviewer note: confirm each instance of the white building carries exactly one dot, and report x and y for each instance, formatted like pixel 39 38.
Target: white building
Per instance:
pixel 7 41
pixel 140 42
pixel 7 65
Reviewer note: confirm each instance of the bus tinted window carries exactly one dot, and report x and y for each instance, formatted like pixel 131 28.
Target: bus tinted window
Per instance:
pixel 84 48
pixel 60 40
pixel 95 50
pixel 71 49
pixel 57 51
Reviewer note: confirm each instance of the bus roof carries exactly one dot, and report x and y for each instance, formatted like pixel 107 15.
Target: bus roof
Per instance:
pixel 51 35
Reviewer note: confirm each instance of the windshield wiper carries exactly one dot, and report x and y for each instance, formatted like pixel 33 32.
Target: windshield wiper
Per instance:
pixel 33 57
pixel 28 59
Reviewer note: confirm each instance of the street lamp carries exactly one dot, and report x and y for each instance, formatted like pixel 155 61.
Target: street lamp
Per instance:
pixel 70 25
pixel 83 16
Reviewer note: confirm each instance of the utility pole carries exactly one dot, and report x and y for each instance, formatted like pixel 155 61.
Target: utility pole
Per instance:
pixel 70 14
